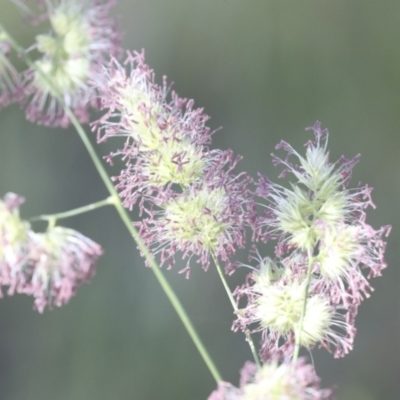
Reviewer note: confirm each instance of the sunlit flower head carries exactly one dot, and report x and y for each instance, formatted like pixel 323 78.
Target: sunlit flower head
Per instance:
pixel 10 80
pixel 82 37
pixel 61 260
pixel 274 381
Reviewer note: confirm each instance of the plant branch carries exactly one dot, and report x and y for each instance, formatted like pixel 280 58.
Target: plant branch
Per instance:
pixel 76 211
pixel 126 219
pixel 236 309
pixel 303 311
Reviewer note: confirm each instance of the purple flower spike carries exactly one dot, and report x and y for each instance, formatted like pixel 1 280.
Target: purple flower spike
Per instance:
pixel 320 225
pixel 165 139
pixel 321 213
pixel 192 200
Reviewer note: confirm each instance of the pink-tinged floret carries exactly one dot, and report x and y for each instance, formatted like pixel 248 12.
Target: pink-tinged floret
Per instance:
pixel 274 294
pixel 192 200
pixel 274 381
pixel 61 260
pixel 166 137
pixel 49 266
pixel 14 244
pixel 83 37
pixel 207 219
pixel 321 214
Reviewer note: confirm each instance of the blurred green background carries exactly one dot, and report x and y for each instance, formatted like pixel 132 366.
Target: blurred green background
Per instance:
pixel 263 70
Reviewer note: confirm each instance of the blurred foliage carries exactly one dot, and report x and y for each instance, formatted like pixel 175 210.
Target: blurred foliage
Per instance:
pixel 264 70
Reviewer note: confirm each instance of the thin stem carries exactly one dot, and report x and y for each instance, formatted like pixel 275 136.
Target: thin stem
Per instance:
pixel 303 311
pixel 126 220
pixel 226 287
pixel 76 211
pixel 144 250
pixel 236 309
pixel 170 294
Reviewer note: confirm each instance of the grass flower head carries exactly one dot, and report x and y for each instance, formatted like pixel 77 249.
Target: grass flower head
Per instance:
pixel 275 300
pixel 14 242
pixel 82 37
pixel 274 382
pixel 206 219
pixel 321 215
pixel 61 260
pixel 165 140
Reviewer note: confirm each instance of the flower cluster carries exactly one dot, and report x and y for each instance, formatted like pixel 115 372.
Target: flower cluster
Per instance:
pixel 165 141
pixel 192 200
pixel 274 382
pixel 312 290
pixel 49 266
pixel 275 301
pixel 10 82
pixel 81 39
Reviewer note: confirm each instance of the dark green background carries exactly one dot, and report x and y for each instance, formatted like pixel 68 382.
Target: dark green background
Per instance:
pixel 264 70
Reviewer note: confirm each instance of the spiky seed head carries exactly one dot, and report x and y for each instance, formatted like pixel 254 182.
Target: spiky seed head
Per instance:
pixel 274 381
pixel 197 219
pixel 177 162
pixel 338 250
pixel 82 38
pixel 62 259
pixel 278 308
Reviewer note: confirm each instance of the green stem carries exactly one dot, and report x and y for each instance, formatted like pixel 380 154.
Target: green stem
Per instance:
pixel 303 311
pixel 144 250
pixel 76 211
pixel 236 309
pixel 126 220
